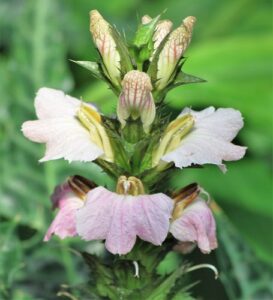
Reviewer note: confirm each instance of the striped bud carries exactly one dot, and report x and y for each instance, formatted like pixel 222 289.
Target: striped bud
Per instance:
pixel 172 51
pixel 162 29
pixel 102 36
pixel 136 100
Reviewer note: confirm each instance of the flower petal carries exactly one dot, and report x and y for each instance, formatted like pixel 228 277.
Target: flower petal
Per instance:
pixel 209 141
pixel 196 224
pixel 152 214
pixel 119 219
pixel 64 224
pixel 64 137
pixel 51 103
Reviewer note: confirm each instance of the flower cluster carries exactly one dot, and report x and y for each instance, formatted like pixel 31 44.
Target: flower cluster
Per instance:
pixel 139 148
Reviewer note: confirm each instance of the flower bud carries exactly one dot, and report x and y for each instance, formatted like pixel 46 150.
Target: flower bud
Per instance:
pixel 172 51
pixel 162 29
pixel 136 100
pixel 103 38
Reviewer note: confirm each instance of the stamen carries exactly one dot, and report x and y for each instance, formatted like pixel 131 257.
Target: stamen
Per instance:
pixel 126 186
pixel 201 266
pixel 135 263
pixel 129 186
pixel 92 121
pixel 80 185
pixel 173 135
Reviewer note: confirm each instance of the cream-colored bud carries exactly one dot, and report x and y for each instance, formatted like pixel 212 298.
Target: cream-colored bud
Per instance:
pixel 162 29
pixel 173 50
pixel 136 100
pixel 101 32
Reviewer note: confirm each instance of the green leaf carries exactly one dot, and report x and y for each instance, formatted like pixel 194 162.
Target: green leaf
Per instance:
pixel 145 33
pixel 243 276
pixel 143 41
pixel 93 67
pixel 184 78
pixel 161 292
pixel 125 60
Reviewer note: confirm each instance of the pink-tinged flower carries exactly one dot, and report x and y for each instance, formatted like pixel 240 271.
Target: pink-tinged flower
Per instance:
pixel 162 29
pixel 70 128
pixel 68 198
pixel 202 138
pixel 193 221
pixel 136 100
pixel 173 50
pixel 64 224
pixel 119 219
pixel 196 224
pixel 102 36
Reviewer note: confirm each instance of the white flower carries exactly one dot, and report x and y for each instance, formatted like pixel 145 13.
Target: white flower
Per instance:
pixel 205 140
pixel 70 128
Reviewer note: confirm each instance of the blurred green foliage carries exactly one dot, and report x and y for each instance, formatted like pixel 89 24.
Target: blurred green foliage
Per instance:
pixel 231 49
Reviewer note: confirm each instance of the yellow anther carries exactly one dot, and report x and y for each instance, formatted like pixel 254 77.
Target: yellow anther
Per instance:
pixel 91 119
pixel 80 185
pixel 129 186
pixel 173 135
pixel 183 198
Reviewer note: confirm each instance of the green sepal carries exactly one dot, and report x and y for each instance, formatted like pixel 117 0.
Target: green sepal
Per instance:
pixel 149 255
pixel 99 71
pixel 91 66
pixel 143 42
pixel 145 33
pixel 152 70
pixel 162 291
pixel 142 157
pixel 184 78
pixel 133 130
pixel 177 78
pixel 121 157
pixel 125 59
pixel 102 276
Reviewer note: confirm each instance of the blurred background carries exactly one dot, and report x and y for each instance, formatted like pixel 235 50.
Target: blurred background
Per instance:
pixel 231 49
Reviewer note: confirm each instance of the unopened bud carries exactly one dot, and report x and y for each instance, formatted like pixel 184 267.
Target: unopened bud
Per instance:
pixel 173 50
pixel 173 135
pixel 162 29
pixel 102 36
pixel 136 100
